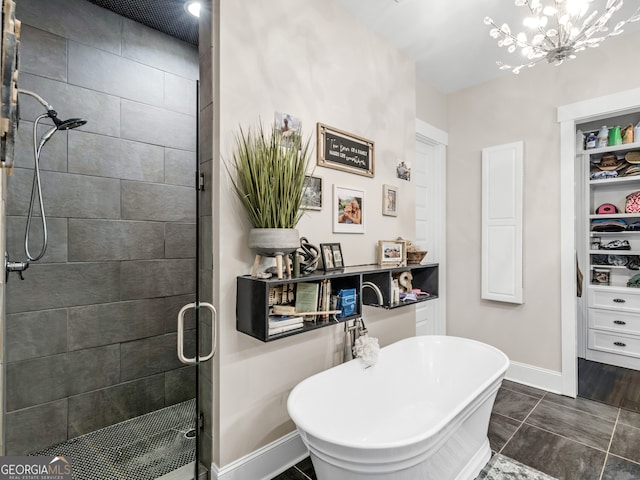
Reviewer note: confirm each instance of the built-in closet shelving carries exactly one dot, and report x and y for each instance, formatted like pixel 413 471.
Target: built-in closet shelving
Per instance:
pixel 610 330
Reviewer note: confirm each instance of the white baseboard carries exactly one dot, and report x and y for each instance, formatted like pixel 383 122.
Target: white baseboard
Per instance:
pixel 535 377
pixel 266 462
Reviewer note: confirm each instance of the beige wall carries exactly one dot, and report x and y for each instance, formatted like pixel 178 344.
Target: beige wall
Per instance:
pixel 506 110
pixel 309 59
pixel 431 105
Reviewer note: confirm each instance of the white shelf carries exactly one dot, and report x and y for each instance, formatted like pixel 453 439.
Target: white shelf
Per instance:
pixel 614 252
pixel 623 232
pixel 606 182
pixel 616 287
pixel 614 148
pixel 600 216
pixel 613 267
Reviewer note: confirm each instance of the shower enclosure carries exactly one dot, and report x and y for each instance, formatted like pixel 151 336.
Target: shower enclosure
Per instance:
pixel 90 334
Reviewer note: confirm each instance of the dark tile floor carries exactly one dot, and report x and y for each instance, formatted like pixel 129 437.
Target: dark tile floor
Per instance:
pixel 570 439
pixel 612 385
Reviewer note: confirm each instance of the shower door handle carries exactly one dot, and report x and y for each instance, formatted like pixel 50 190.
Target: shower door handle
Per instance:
pixel 209 356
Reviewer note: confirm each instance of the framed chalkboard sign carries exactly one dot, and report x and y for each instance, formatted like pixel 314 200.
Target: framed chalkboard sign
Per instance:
pixel 344 151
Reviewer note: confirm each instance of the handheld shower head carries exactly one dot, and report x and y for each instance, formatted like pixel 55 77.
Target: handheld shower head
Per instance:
pixel 36 190
pixel 68 124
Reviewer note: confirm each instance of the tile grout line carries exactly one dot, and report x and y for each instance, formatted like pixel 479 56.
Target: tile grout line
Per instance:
pixel 606 452
pixel 303 474
pixel 606 456
pixel 567 438
pixel 521 423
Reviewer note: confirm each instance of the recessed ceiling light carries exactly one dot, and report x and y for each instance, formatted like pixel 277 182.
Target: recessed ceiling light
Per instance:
pixel 193 7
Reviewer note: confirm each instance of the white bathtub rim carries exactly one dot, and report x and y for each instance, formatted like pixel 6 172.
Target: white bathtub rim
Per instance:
pixel 494 380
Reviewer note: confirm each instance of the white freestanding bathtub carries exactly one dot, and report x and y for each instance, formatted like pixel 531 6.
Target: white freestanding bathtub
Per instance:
pixel 420 413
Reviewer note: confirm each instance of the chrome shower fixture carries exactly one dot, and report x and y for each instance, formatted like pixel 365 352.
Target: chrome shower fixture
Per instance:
pixel 36 188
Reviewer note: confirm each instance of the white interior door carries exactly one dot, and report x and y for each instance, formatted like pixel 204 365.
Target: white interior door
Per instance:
pixel 429 175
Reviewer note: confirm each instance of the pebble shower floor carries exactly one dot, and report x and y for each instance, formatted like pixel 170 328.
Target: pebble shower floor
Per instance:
pixel 142 448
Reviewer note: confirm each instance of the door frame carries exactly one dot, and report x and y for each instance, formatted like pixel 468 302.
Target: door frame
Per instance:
pixel 568 117
pixel 439 139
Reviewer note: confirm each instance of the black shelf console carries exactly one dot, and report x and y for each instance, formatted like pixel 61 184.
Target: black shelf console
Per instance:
pixel 253 302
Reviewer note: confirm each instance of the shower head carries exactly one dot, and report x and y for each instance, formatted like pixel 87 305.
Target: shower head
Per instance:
pixel 68 124
pixel 59 125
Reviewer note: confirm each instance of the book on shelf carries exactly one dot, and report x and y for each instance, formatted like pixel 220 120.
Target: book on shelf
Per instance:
pixel 283 320
pixel 325 293
pixel 307 294
pixel 285 328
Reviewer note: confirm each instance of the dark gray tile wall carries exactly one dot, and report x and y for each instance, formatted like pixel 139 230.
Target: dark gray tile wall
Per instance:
pixel 102 110
pixel 43 53
pixel 35 428
pixel 36 334
pixel 57 238
pixel 100 408
pixel 90 336
pixel 118 322
pixel 91 240
pixel 118 158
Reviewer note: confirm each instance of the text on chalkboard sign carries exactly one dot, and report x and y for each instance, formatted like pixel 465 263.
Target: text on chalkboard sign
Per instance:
pixel 344 151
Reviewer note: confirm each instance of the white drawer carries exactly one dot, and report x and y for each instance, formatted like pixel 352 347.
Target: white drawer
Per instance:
pixel 621 299
pixel 620 322
pixel 614 343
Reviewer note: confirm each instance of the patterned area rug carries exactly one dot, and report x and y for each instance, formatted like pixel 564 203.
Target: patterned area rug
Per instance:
pixel 504 468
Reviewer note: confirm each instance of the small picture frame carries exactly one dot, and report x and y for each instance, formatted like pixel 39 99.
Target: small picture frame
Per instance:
pixel 312 193
pixel 290 128
pixel 390 200
pixel 392 253
pixel 348 210
pixel 332 258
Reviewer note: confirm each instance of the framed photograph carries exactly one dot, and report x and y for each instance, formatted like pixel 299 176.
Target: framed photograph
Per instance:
pixel 331 256
pixel 337 255
pixel 344 151
pixel 312 193
pixel 390 200
pixel 403 171
pixel 291 128
pixel 348 210
pixel 392 253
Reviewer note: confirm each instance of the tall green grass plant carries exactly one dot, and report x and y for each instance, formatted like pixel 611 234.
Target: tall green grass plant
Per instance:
pixel 268 175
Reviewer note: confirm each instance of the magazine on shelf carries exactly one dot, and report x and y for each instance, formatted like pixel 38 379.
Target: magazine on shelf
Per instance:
pixel 285 328
pixel 283 320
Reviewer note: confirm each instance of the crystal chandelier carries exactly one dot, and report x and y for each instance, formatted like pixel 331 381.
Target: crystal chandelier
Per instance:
pixel 558 31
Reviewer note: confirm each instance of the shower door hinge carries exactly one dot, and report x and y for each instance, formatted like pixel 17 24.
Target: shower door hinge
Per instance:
pixel 200 181
pixel 200 421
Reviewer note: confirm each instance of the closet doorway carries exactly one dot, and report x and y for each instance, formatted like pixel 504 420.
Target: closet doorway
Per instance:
pixel 575 198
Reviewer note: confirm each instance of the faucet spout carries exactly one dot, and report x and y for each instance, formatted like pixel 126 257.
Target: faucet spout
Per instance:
pixel 352 331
